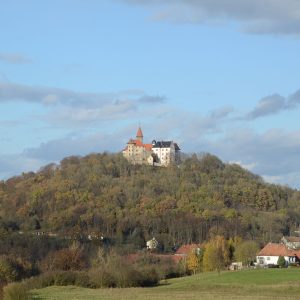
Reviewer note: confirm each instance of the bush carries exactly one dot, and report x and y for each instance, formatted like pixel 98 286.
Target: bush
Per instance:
pixel 82 279
pixel 114 273
pixel 16 291
pixel 15 269
pixel 44 280
pixel 272 266
pixel 64 278
pixel 164 267
pixel 100 278
pixel 65 260
pixel 281 262
pixel 148 277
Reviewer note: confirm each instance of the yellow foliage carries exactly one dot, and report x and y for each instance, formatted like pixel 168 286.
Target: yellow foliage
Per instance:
pixel 193 262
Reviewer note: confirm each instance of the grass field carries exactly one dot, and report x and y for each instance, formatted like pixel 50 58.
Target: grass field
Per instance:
pixel 250 284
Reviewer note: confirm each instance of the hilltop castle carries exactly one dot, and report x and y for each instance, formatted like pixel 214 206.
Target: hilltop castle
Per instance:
pixel 161 153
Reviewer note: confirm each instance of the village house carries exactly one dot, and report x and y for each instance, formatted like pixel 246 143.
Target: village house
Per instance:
pixel 162 153
pixel 166 152
pixel 270 254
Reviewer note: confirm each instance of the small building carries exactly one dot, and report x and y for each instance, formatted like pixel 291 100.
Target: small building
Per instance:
pixel 292 242
pixel 270 253
pixel 235 266
pixel 152 244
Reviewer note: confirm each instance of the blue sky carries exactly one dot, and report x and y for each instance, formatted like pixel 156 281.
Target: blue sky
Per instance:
pixel 218 76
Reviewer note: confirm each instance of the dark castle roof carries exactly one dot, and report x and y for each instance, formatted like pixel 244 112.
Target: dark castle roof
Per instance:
pixel 164 144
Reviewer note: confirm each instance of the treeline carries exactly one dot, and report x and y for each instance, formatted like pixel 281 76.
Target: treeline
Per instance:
pixel 103 196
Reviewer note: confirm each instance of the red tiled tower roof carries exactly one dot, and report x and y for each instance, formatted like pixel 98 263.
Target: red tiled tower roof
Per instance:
pixel 139 133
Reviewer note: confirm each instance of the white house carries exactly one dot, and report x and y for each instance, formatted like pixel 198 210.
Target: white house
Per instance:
pixel 270 253
pixel 166 152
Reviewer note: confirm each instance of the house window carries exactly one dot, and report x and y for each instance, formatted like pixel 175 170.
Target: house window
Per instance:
pixel 268 258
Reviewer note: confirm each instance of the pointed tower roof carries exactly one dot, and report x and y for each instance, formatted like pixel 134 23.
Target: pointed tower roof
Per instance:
pixel 139 133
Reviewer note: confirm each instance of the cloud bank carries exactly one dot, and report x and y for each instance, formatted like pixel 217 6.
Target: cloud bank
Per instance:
pixel 253 16
pixel 14 58
pixel 273 104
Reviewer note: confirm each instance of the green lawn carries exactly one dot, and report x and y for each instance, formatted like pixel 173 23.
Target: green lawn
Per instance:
pixel 250 284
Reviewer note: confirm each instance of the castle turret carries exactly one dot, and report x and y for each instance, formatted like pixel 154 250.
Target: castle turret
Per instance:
pixel 139 135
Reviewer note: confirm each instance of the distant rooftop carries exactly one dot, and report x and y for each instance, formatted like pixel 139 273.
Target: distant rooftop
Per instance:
pixel 164 144
pixel 274 249
pixel 293 239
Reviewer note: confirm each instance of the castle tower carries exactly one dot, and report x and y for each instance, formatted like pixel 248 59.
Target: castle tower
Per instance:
pixel 139 135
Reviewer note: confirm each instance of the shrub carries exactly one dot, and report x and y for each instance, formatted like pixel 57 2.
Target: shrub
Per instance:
pixel 272 266
pixel 163 266
pixel 16 291
pixel 64 278
pixel 8 270
pixel 65 260
pixel 44 280
pixel 100 278
pixel 281 262
pixel 15 269
pixel 82 279
pixel 148 277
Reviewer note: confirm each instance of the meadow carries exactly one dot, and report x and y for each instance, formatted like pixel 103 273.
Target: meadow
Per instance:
pixel 247 284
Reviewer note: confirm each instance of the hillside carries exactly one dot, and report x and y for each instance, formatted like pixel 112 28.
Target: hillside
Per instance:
pixel 103 195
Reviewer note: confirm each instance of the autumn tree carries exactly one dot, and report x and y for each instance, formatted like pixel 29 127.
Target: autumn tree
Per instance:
pixel 193 262
pixel 216 255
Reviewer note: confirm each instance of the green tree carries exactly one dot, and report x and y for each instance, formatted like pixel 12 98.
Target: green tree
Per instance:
pixel 246 252
pixel 281 262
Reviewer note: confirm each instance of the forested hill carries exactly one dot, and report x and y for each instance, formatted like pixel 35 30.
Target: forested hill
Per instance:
pixel 102 194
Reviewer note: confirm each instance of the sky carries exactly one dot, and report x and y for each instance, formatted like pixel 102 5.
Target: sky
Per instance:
pixel 217 76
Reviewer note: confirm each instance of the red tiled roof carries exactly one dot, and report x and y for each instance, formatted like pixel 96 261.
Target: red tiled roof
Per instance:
pixel 148 147
pixel 138 143
pixel 186 249
pixel 139 133
pixel 273 249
